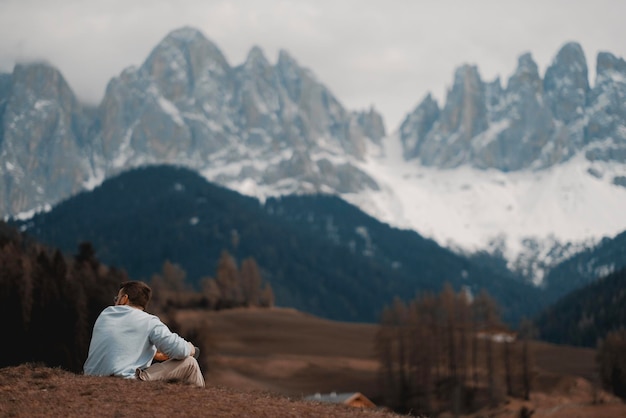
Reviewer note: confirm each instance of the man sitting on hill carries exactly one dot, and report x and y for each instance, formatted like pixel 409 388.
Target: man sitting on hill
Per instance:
pixel 126 339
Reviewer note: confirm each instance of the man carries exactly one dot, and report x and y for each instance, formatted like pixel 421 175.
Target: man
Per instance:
pixel 126 339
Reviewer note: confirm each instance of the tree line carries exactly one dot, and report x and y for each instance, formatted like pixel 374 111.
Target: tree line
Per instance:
pixel 449 351
pixel 51 301
pixel 232 287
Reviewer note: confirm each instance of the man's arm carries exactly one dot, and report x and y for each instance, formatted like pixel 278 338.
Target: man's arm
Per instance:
pixel 169 343
pixel 160 356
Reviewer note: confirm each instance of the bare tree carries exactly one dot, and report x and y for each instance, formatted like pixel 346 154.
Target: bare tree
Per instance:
pixel 508 369
pixel 211 292
pixel 250 282
pixel 611 360
pixel 527 331
pixel 489 322
pixel 228 281
pixel 266 299
pixel 384 350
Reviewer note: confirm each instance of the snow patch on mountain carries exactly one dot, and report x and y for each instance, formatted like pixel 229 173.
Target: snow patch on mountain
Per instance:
pixel 524 215
pixel 171 110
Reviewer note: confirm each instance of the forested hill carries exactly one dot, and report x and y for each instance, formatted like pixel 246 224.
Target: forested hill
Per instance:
pixel 586 266
pixel 320 254
pixel 587 314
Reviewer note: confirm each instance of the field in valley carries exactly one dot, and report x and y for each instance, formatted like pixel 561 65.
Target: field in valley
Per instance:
pixel 261 362
pixel 294 354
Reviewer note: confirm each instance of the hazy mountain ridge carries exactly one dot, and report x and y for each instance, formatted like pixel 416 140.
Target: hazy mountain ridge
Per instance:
pixel 532 123
pixel 185 105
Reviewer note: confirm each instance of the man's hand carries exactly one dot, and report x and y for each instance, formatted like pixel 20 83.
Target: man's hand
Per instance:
pixel 159 356
pixel 195 351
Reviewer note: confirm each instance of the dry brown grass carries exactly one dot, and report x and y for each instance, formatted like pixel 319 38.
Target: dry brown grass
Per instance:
pixel 266 360
pixel 288 352
pixel 30 391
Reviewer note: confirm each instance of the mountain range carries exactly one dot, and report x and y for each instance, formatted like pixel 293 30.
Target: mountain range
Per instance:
pixel 532 171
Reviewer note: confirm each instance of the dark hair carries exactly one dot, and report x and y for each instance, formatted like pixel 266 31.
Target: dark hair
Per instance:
pixel 139 293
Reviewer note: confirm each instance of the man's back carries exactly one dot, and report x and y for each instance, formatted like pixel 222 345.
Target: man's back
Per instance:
pixel 124 340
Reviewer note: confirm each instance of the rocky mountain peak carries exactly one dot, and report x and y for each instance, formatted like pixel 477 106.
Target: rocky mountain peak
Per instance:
pixel 605 132
pixel 184 59
pixel 42 124
pixel 186 34
pixel 532 123
pixel 256 58
pixel 526 76
pixel 465 111
pixel 566 83
pixel 417 125
pixel 493 94
pixel 371 123
pixel 610 68
pixel 40 79
pixel 285 59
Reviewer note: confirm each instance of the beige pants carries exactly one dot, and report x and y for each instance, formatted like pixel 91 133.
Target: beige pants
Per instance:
pixel 186 370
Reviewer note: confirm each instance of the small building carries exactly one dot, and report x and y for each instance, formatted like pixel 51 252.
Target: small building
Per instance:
pixel 498 336
pixel 354 399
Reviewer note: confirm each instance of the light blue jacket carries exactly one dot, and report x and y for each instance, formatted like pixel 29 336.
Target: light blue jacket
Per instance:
pixel 125 339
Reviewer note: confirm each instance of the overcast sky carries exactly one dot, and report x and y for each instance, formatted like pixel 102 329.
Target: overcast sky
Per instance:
pixel 388 54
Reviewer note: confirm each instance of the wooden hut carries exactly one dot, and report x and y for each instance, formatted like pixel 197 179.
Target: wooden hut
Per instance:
pixel 354 399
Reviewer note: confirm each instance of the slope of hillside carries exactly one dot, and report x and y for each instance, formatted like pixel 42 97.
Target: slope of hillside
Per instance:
pixel 335 262
pixel 586 315
pixel 585 267
pixel 32 391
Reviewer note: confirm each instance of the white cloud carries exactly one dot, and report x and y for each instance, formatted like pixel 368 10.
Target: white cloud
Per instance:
pixel 389 54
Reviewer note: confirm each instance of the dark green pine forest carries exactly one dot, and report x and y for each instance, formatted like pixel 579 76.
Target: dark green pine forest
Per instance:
pixel 319 253
pixel 588 314
pixel 586 267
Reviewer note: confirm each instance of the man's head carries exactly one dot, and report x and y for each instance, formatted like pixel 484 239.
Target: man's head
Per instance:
pixel 134 293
